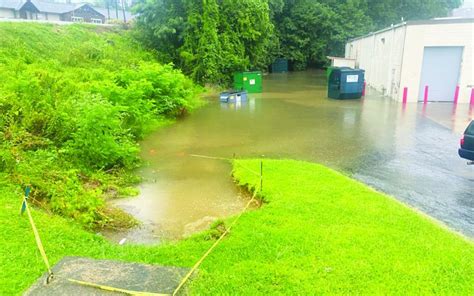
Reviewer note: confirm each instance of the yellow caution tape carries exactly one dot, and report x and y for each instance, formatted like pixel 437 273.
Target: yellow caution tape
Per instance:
pixel 198 263
pixel 188 275
pixel 113 289
pixel 38 241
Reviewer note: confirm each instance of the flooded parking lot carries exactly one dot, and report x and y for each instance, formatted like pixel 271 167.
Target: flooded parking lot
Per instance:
pixel 409 152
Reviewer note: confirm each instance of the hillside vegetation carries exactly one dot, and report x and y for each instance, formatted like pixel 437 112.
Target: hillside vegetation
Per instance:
pixel 74 101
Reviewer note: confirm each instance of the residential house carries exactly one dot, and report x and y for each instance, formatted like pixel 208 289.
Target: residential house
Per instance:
pixel 66 12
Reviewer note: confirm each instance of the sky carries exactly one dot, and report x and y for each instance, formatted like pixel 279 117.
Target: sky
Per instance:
pixel 468 3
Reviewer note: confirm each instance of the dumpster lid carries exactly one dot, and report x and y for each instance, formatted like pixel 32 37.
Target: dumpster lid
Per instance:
pixel 349 70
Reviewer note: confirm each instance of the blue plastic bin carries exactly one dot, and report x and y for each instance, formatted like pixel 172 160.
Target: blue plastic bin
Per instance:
pixel 233 96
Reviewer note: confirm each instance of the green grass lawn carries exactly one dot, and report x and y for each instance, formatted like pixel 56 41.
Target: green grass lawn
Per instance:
pixel 319 233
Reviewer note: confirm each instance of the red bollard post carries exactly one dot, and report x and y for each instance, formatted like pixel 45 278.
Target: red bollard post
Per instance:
pixel 363 89
pixel 425 97
pixel 456 95
pixel 472 97
pixel 405 95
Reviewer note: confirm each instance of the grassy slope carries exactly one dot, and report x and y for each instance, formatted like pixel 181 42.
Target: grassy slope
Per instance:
pixel 74 101
pixel 42 42
pixel 321 232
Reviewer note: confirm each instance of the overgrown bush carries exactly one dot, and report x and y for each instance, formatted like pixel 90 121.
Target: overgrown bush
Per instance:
pixel 74 101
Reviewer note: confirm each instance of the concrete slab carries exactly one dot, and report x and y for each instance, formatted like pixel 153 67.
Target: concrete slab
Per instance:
pixel 123 275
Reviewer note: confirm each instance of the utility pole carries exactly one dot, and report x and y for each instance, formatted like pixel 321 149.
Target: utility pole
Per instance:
pixel 108 9
pixel 123 11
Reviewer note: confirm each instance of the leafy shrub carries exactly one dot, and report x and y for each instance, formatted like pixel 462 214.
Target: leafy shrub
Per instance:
pixel 99 140
pixel 73 103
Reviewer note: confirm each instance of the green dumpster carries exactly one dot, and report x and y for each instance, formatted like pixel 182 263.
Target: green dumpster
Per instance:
pixel 249 81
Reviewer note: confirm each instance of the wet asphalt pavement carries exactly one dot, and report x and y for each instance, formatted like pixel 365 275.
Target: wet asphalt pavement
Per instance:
pixel 423 170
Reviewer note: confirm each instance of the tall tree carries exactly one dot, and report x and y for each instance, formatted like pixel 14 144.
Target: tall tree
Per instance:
pixel 201 49
pixel 210 39
pixel 161 25
pixel 308 30
pixel 305 31
pixel 249 23
pixel 349 21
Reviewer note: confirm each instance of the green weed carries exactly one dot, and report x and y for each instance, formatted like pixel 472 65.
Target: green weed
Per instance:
pixel 319 233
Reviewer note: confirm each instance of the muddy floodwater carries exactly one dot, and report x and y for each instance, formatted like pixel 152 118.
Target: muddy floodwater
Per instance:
pixel 409 152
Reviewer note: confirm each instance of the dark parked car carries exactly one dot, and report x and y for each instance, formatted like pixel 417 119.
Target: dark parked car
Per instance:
pixel 467 143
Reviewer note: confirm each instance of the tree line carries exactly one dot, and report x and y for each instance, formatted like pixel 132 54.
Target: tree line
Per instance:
pixel 211 39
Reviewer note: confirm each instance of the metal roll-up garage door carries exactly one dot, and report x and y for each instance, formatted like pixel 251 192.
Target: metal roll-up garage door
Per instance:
pixel 440 72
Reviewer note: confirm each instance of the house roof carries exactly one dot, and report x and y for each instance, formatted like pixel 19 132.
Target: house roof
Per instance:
pixel 55 7
pixel 12 4
pixel 339 58
pixel 60 8
pixel 42 5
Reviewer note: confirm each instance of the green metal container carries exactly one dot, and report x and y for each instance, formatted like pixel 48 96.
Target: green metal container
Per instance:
pixel 249 81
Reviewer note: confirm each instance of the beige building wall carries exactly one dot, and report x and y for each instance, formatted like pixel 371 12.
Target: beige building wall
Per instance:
pixel 392 58
pixel 6 13
pixel 54 17
pixel 446 34
pixel 380 55
pixel 338 62
pixel 41 16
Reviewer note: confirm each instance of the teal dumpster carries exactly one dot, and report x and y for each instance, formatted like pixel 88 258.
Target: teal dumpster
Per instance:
pixel 280 65
pixel 345 83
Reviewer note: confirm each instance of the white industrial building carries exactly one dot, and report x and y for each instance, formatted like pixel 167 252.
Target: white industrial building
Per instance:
pixel 420 60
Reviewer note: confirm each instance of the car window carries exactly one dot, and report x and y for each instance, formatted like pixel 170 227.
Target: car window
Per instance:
pixel 470 129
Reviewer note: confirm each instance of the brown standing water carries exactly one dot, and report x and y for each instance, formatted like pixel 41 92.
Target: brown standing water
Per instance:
pixel 375 140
